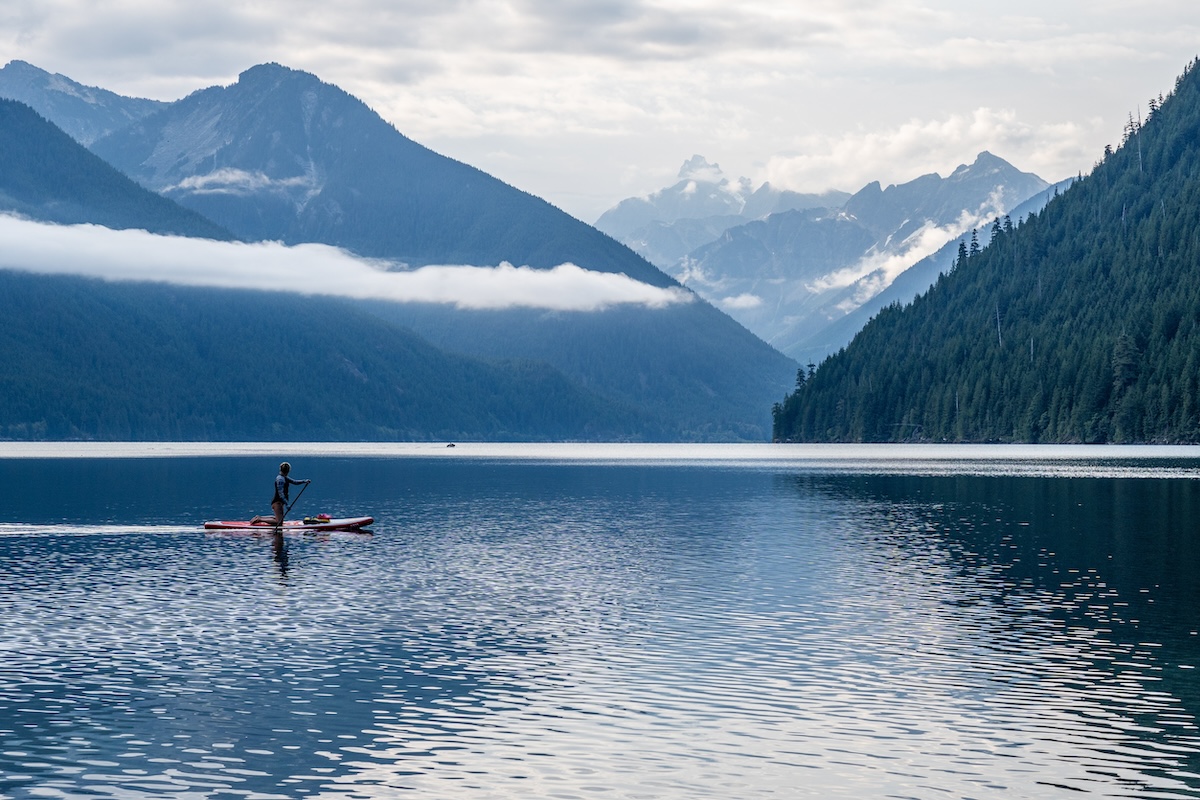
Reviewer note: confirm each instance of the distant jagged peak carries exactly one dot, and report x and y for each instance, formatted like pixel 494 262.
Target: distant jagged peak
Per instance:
pixel 85 112
pixel 985 163
pixel 33 75
pixel 19 67
pixel 697 168
pixel 987 157
pixel 987 167
pixel 703 193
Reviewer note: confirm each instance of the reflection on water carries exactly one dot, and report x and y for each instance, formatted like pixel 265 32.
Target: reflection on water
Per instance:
pixel 525 628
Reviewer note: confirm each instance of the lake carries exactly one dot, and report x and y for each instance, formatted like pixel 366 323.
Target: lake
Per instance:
pixel 602 621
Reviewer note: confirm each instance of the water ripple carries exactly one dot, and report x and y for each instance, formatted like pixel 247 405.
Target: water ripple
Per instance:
pixel 757 636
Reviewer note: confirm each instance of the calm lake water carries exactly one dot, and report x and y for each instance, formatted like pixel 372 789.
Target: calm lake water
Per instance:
pixel 602 622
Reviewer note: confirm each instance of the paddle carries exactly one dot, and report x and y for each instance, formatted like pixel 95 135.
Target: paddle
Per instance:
pixel 279 525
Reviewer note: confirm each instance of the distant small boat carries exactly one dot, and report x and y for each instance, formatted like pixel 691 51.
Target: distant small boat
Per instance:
pixel 292 525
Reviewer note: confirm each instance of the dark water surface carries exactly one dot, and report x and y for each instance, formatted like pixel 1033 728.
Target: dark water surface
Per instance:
pixel 569 624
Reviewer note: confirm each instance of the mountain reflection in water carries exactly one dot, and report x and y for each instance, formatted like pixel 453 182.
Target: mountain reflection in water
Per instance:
pixel 542 627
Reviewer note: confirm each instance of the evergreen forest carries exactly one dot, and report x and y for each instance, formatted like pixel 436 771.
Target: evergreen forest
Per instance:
pixel 89 359
pixel 1078 324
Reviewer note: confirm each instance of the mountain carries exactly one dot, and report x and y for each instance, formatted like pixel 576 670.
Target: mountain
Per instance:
pixel 87 359
pixel 47 175
pixel 792 274
pixel 670 223
pixel 94 360
pixel 279 155
pixel 85 112
pixel 913 281
pixel 1079 325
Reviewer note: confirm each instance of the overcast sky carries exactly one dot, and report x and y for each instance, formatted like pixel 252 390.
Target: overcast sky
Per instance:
pixel 585 102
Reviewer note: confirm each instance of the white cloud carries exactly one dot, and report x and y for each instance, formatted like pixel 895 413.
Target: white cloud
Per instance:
pixel 741 302
pixel 690 273
pixel 229 180
pixel 877 270
pixel 311 269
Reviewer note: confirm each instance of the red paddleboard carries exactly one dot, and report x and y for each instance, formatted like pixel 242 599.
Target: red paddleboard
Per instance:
pixel 292 525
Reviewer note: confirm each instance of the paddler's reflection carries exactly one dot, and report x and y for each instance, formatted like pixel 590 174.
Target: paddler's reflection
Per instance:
pixel 279 546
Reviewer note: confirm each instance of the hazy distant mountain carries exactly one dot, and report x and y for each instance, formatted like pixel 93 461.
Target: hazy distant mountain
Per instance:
pixel 280 155
pixel 84 112
pixel 665 243
pixel 898 211
pixel 792 274
pixel 670 223
pixel 910 283
pixel 46 175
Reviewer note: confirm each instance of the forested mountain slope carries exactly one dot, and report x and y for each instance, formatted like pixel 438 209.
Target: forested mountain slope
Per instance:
pixel 47 175
pixel 1080 325
pixel 87 359
pixel 662 362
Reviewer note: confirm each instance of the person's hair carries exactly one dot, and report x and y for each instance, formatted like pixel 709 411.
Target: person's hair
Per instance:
pixel 285 468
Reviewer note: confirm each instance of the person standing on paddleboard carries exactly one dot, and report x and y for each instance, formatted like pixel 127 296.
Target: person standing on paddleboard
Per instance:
pixel 279 502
